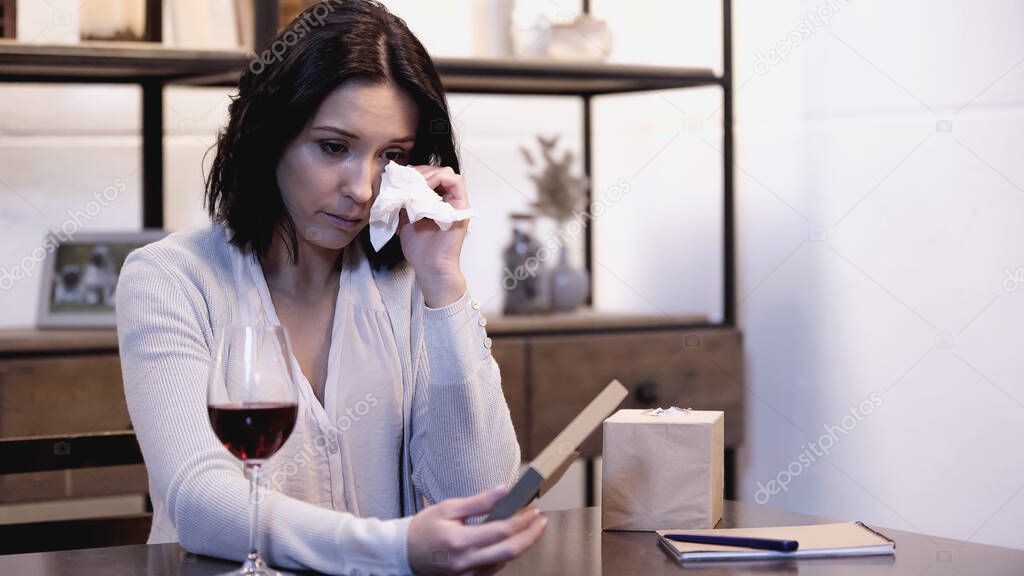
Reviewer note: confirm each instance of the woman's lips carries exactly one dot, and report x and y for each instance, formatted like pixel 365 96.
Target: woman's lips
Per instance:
pixel 343 222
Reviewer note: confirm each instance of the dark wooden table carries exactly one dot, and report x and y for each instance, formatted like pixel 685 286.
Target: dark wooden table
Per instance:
pixel 574 544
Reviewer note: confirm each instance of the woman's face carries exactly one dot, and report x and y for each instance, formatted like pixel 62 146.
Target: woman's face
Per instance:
pixel 330 173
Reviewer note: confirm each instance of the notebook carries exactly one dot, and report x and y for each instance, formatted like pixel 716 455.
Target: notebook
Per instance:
pixel 816 541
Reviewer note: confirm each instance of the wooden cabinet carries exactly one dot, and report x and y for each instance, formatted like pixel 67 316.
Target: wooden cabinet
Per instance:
pixel 552 367
pixel 61 395
pixel 57 382
pixel 698 369
pixel 63 383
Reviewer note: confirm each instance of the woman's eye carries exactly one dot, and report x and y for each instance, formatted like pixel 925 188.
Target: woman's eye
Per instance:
pixel 332 147
pixel 396 155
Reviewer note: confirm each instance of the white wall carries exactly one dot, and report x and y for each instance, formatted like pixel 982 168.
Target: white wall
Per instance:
pixel 872 253
pixel 872 247
pixel 68 157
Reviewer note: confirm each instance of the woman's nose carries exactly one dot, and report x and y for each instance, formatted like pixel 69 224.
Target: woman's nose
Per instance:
pixel 362 184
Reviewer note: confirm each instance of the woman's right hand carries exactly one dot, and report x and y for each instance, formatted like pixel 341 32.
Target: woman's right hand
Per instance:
pixel 440 542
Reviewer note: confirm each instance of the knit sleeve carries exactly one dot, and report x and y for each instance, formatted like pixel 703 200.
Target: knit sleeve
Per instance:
pixel 165 358
pixel 463 441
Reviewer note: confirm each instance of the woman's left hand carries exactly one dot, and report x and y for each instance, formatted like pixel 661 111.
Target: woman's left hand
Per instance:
pixel 434 253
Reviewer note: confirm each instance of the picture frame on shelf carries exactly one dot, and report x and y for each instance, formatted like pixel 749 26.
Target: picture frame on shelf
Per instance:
pixel 8 19
pixel 112 21
pixel 80 277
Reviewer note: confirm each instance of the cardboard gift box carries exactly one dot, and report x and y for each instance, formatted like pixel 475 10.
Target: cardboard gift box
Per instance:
pixel 662 469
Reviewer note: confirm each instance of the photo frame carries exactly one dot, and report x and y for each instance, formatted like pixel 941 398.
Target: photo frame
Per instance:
pixel 80 276
pixel 8 19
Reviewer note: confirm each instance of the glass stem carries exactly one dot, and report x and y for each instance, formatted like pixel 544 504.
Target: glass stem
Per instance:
pixel 254 509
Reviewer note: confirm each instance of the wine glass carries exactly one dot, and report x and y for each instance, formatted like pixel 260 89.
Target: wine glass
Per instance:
pixel 252 406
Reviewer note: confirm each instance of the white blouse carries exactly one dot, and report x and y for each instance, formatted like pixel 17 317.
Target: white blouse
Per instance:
pixel 413 409
pixel 359 424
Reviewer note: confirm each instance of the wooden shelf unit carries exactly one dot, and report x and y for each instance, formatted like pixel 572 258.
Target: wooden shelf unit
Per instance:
pixel 550 365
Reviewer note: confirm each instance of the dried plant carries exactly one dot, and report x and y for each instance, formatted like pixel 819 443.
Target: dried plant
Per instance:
pixel 559 193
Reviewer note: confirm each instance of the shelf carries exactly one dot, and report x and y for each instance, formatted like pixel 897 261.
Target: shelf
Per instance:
pixel 33 341
pixel 523 76
pixel 16 342
pixel 588 320
pixel 122 62
pixel 117 62
pixel 154 65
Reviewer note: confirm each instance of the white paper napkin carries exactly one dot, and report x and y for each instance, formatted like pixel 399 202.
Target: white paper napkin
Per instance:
pixel 404 187
pixel 670 411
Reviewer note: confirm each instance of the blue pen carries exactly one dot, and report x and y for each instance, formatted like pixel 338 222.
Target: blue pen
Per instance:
pixel 759 543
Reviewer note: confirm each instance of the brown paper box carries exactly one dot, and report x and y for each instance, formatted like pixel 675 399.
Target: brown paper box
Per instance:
pixel 662 471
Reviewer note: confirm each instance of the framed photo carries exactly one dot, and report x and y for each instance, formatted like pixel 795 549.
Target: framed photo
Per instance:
pixel 8 18
pixel 80 277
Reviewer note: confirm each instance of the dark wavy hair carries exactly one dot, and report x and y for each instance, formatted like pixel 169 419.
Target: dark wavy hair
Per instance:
pixel 328 44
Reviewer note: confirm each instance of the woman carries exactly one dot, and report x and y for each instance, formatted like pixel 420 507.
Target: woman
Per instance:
pixel 403 432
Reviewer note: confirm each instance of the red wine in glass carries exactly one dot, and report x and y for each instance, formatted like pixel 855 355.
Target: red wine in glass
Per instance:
pixel 253 430
pixel 253 405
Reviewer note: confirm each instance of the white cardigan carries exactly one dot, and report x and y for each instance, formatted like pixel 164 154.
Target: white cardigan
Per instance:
pixel 457 435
